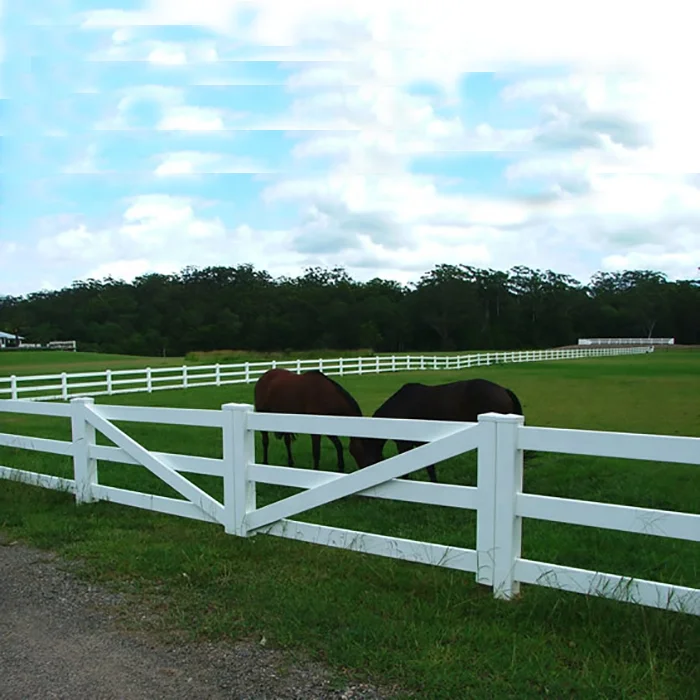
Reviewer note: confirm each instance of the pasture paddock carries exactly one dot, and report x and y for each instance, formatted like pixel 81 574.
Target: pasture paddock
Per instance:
pixel 66 385
pixel 433 629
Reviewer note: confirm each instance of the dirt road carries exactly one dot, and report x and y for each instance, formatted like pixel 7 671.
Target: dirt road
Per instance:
pixel 60 638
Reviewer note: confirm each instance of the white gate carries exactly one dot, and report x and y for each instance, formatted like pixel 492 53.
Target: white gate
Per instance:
pixel 90 419
pixel 450 440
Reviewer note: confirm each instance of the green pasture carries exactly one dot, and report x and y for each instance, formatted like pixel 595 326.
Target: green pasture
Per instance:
pixel 38 362
pixel 433 632
pixel 21 363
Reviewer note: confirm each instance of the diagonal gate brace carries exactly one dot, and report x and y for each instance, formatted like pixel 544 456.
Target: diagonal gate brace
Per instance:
pixel 458 442
pixel 161 469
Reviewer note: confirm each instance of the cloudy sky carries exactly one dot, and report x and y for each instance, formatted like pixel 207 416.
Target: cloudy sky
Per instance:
pixel 386 136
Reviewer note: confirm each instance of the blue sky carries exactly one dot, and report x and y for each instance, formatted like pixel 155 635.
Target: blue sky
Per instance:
pixel 179 134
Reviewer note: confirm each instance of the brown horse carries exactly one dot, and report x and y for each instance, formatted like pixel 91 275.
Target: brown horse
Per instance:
pixel 457 401
pixel 282 391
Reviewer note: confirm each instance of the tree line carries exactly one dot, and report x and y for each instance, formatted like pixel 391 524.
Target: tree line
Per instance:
pixel 451 307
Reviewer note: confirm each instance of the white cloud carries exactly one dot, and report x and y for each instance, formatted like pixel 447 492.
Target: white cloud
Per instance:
pixel 164 234
pixel 129 269
pixel 198 162
pixel 609 150
pixel 175 114
pixel 151 225
pixel 126 45
pixel 681 264
pixel 188 118
pixel 75 244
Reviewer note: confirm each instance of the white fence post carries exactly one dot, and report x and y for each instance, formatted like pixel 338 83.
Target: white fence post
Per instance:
pixel 500 446
pixel 149 380
pixel 340 366
pixel 393 363
pixel 239 454
pixel 184 376
pixel 359 365
pixel 13 388
pixel 108 374
pixel 486 512
pixel 217 374
pixel 64 386
pixel 84 435
pixel 247 372
pixel 298 370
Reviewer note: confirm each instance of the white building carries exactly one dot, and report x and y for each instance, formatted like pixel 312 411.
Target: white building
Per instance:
pixel 9 339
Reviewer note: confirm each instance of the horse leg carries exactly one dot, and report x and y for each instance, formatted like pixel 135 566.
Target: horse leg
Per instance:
pixel 316 450
pixel 339 449
pixel 431 473
pixel 265 445
pixel 288 445
pixel 404 447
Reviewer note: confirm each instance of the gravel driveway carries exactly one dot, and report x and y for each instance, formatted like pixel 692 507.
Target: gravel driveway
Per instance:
pixel 59 638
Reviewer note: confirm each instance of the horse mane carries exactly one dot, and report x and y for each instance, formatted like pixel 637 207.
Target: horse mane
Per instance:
pixel 344 392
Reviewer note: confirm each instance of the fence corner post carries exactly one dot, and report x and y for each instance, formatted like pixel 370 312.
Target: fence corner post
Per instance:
pixel 503 457
pixel 238 455
pixel 84 436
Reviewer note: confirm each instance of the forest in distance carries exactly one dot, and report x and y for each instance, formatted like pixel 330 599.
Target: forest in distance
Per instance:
pixel 451 307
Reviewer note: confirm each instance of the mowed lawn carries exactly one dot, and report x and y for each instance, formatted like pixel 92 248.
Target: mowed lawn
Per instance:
pixel 432 631
pixel 23 363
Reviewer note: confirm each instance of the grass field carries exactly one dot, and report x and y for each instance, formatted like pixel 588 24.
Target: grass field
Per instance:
pixel 431 630
pixel 22 363
pixel 54 361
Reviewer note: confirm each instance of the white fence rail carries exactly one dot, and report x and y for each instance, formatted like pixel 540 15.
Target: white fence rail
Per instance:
pixel 626 341
pixel 498 499
pixel 109 382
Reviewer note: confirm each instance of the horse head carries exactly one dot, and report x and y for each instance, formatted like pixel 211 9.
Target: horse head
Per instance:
pixel 366 451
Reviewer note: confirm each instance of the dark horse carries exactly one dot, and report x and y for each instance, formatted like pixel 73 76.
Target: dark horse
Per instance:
pixel 282 391
pixel 457 401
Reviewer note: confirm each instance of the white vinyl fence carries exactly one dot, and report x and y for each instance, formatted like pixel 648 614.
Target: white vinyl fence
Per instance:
pixel 498 499
pixel 626 341
pixel 65 386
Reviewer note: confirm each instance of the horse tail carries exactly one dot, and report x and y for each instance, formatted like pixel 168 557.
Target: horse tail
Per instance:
pixel 517 406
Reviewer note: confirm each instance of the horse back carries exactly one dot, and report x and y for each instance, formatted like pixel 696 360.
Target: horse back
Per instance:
pixel 456 401
pixel 282 391
pixel 483 396
pixel 277 392
pixel 326 397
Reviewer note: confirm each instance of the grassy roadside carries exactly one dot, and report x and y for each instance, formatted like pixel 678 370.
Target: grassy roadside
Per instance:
pixel 433 630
